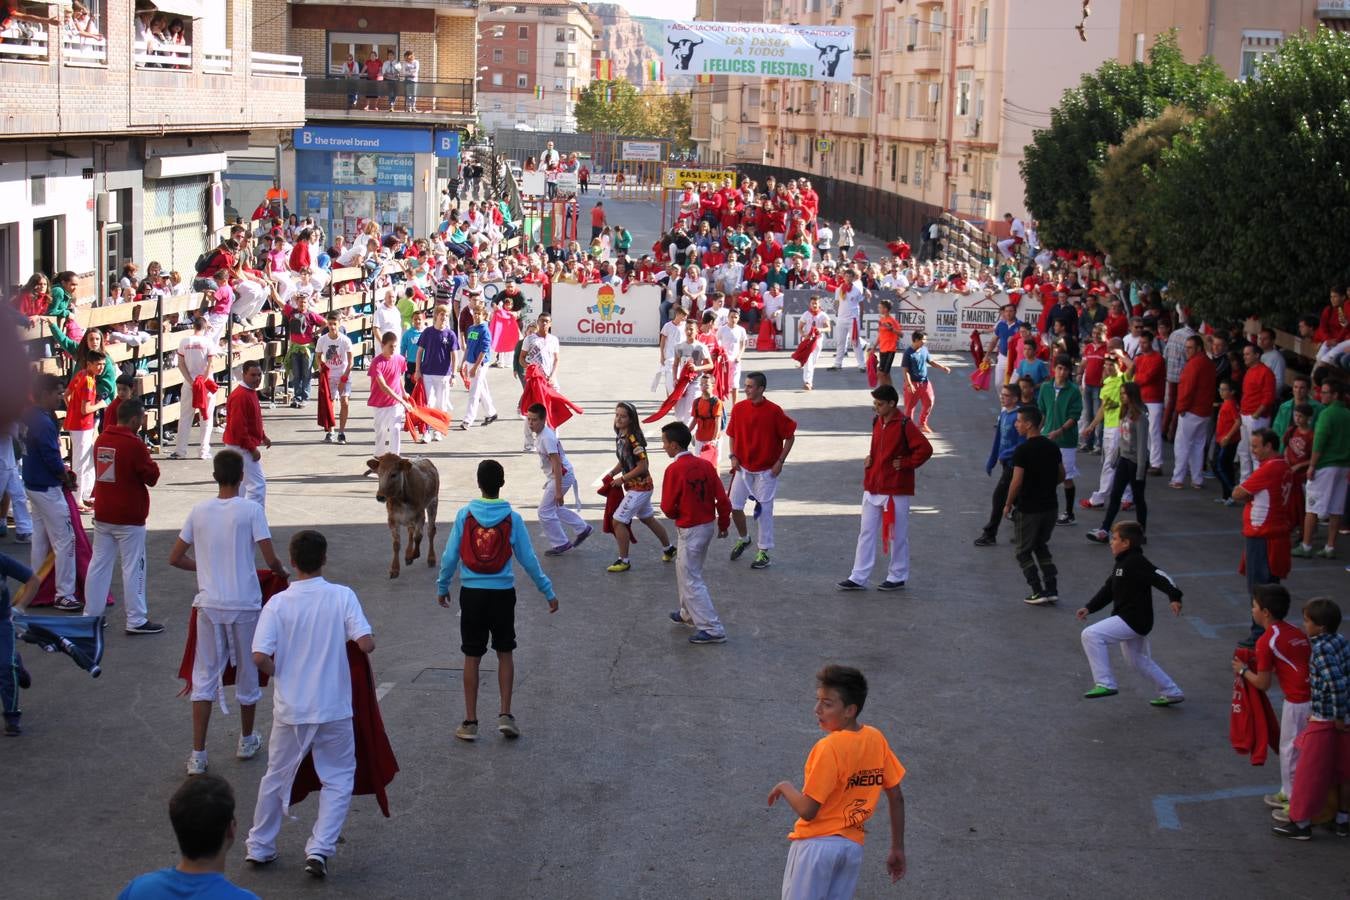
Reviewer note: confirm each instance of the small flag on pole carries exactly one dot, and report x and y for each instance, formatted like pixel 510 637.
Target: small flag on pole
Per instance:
pixel 538 92
pixel 656 70
pixel 604 70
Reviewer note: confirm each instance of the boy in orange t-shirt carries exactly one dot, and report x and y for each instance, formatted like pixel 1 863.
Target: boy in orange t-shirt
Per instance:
pixel 844 775
pixel 707 412
pixel 81 404
pixel 888 338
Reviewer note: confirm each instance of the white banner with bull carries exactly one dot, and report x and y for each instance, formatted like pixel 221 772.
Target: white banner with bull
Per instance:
pixel 748 49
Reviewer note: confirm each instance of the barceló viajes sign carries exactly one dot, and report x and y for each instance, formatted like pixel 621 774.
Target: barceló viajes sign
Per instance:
pixel 810 52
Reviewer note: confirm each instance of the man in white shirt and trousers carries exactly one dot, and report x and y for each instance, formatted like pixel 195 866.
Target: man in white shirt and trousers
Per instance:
pixel 194 360
pixel 849 318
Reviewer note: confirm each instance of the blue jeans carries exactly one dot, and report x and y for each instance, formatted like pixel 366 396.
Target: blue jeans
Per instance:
pixel 1092 398
pixel 665 310
pixel 1223 468
pixel 1258 572
pixel 301 366
pixel 10 664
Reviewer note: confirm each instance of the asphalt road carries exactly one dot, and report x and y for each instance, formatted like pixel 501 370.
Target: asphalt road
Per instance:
pixel 645 762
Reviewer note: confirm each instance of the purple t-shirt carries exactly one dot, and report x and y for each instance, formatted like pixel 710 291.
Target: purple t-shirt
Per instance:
pixel 436 346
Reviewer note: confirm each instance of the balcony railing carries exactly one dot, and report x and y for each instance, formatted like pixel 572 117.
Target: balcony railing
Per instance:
pixel 77 50
pixel 162 56
pixel 217 61
pixel 1333 9
pixel 279 64
pixel 29 48
pixel 453 96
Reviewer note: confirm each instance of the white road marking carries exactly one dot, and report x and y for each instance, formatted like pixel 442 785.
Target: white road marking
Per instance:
pixel 383 690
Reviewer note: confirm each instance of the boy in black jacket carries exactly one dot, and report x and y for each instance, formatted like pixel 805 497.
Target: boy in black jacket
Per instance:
pixel 1130 590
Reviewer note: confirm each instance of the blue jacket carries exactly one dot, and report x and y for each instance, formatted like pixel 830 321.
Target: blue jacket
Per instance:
pixel 408 343
pixel 489 513
pixel 477 341
pixel 1006 439
pixel 42 464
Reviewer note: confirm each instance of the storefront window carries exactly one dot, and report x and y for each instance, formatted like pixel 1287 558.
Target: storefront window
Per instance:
pixel 344 190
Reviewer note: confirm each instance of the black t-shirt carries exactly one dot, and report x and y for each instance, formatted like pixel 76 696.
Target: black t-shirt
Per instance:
pixel 1039 461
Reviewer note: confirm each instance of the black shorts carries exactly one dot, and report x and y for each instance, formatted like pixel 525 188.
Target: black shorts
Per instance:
pixel 484 612
pixel 884 361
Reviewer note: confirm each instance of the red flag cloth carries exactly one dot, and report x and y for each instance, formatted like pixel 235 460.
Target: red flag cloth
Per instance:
pixel 681 383
pixel 873 369
pixel 887 522
pixel 808 344
pixel 437 420
pixel 411 424
pixel 980 378
pixel 538 390
pixel 1279 559
pixel 271 584
pixel 722 385
pixel 613 494
pixel 325 411
pixel 709 452
pixel 1253 727
pixel 767 340
pixel 203 389
pixel 84 551
pixel 375 762
pixel 504 328
pixel 976 347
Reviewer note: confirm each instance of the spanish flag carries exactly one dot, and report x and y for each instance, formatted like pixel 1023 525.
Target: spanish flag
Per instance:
pixel 705 79
pixel 604 70
pixel 656 70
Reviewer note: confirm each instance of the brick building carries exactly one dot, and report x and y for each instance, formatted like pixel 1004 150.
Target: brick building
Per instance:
pixel 533 57
pixel 112 153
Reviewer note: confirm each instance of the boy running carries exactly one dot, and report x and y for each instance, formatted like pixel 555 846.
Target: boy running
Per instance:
pixel 634 476
pixel 301 642
pixel 845 773
pixel 554 513
pixel 487 535
pixel 334 351
pixel 692 495
pixel 707 415
pixel 477 351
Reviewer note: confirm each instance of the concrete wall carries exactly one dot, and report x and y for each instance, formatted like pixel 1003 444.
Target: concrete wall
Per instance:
pixel 1197 35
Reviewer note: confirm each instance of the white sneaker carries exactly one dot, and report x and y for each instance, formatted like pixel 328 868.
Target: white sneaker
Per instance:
pixel 196 763
pixel 249 745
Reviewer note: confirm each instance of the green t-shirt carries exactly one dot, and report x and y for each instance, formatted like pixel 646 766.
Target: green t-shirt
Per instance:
pixel 1331 438
pixel 1110 397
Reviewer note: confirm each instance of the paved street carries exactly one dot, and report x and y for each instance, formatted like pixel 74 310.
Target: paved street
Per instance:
pixel 645 761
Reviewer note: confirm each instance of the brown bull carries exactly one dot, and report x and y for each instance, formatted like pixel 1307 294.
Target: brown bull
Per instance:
pixel 410 491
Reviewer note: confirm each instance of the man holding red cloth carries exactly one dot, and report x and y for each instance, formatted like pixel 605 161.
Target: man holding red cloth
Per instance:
pixel 244 431
pixel 761 437
pixel 898 448
pixel 1265 518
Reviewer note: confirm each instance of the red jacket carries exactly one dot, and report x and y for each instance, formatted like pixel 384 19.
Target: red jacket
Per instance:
pixel 123 475
pixel 899 439
pixel 243 420
pixel 1334 325
pixel 1258 390
pixel 1150 373
pixel 1198 387
pixel 1253 726
pixel 692 494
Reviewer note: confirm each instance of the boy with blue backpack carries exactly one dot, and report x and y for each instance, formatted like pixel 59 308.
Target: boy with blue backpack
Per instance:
pixel 487 535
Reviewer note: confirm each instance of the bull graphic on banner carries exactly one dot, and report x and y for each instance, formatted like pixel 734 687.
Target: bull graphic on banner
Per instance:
pixel 683 50
pixel 830 54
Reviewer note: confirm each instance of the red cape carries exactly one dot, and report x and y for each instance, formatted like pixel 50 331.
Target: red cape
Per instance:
pixel 977 347
pixel 504 329
pixel 412 424
pixel 375 762
pixel 46 592
pixel 873 369
pixel 538 390
pixel 271 584
pixel 325 410
pixel 613 494
pixel 203 388
pixel 767 339
pixel 808 344
pixel 721 372
pixel 682 382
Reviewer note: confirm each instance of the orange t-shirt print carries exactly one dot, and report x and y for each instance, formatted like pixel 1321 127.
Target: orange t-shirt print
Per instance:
pixel 846 773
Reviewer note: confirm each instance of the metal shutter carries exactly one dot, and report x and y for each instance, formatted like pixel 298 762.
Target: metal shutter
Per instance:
pixel 175 223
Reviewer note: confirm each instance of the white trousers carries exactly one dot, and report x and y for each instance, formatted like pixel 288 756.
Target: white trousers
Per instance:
pixel 1293 719
pixel 249 297
pixel 1250 425
pixel 112 542
pixel 82 463
pixel 1000 372
pixel 822 868
pixel 185 414
pixel 1189 449
pixel 554 515
pixel 479 394
pixel 333 746
pixel 809 370
pixel 53 531
pixel 843 334
pixel 873 505
pixel 254 485
pixel 438 390
pixel 668 374
pixel 695 602
pixel 215 326
pixel 763 486
pixel 684 407
pixel 389 429
pixel 717 449
pixel 1110 438
pixel 1097 640
pixel 1155 435
pixel 11 482
pixel 230 641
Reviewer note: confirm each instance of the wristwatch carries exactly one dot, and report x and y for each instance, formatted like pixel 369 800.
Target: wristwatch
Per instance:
pixel 1243 671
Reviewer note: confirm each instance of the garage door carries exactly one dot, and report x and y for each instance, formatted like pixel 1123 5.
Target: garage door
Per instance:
pixel 175 223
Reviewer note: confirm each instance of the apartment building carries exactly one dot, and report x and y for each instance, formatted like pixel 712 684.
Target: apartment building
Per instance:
pixel 368 150
pixel 1237 33
pixel 944 97
pixel 725 114
pixel 115 150
pixel 533 58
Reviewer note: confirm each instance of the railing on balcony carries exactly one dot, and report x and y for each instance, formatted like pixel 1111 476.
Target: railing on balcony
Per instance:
pixel 217 61
pixel 25 45
pixel 162 56
pixel 279 64
pixel 1333 9
pixel 452 96
pixel 78 50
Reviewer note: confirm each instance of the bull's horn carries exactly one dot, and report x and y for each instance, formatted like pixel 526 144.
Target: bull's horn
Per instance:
pixel 672 43
pixel 696 43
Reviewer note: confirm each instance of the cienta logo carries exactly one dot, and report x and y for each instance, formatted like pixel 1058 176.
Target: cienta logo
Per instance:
pixel 607 308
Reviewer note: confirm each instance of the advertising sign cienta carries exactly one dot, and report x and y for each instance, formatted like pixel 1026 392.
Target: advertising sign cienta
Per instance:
pixel 810 52
pixel 602 314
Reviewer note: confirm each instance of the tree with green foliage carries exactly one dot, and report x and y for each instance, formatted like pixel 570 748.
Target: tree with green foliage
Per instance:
pixel 1249 200
pixel 669 116
pixel 1061 163
pixel 611 107
pixel 1121 213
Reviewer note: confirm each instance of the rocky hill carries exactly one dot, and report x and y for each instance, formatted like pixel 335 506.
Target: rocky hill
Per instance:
pixel 624 40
